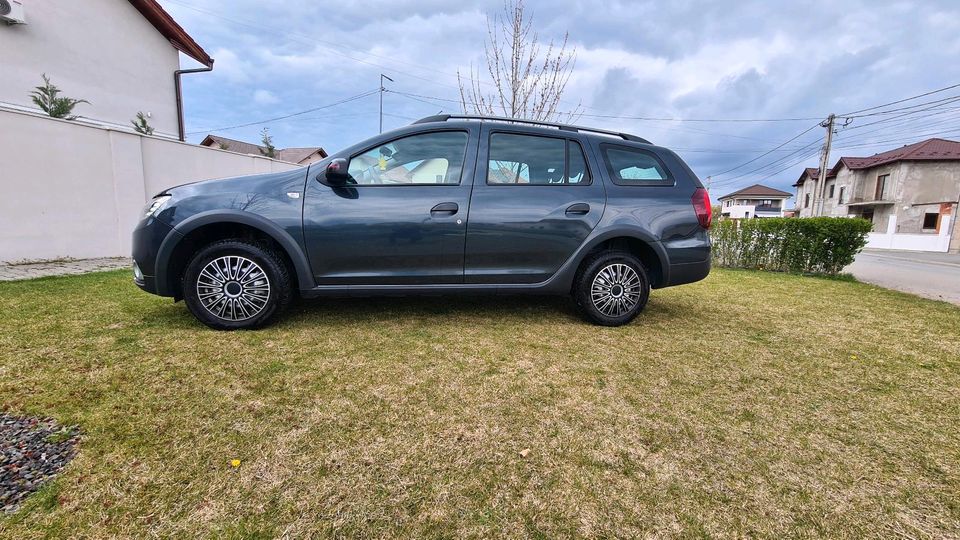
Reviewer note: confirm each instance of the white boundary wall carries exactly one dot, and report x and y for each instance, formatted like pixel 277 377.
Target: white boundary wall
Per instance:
pixel 74 190
pixel 912 242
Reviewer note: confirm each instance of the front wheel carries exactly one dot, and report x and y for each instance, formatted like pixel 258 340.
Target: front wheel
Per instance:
pixel 612 288
pixel 234 284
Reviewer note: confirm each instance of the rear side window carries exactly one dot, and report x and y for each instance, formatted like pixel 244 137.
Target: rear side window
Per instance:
pixel 517 159
pixel 635 167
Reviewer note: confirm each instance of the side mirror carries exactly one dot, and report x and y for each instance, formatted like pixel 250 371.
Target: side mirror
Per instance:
pixel 336 172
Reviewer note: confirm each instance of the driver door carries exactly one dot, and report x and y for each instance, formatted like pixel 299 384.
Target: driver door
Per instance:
pixel 400 219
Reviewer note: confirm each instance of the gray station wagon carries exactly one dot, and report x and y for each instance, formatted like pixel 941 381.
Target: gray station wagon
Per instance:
pixel 449 204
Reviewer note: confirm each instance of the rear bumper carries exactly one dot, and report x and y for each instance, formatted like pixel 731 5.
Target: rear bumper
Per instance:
pixel 681 274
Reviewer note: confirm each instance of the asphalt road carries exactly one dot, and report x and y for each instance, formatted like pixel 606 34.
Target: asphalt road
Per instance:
pixel 931 275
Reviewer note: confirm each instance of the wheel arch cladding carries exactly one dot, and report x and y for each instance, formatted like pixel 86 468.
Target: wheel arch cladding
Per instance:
pixel 650 253
pixel 205 228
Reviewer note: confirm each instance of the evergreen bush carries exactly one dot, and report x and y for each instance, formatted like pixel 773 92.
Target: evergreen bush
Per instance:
pixel 822 245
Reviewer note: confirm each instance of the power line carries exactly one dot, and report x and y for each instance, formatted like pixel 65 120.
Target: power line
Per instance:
pixel 807 151
pixel 913 138
pixel 911 98
pixel 912 108
pixel 291 115
pixel 902 127
pixel 768 152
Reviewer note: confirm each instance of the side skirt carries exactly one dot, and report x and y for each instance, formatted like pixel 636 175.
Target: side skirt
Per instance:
pixel 546 288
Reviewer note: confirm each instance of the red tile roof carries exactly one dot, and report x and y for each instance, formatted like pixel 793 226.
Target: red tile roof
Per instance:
pixel 757 191
pixel 178 37
pixel 928 150
pixel 811 173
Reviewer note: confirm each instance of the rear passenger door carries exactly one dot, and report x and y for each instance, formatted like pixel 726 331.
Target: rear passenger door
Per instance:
pixel 535 200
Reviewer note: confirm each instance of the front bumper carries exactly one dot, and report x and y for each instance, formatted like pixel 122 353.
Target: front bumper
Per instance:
pixel 147 238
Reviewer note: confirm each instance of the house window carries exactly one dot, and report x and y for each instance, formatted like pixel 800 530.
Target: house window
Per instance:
pixel 840 200
pixel 806 201
pixel 881 186
pixel 930 221
pixel 831 190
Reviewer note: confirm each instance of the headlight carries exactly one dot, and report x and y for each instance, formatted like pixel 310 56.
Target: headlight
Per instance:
pixel 155 205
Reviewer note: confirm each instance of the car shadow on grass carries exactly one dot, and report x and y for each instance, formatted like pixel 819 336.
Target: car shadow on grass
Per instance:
pixel 371 310
pixel 425 309
pixel 378 309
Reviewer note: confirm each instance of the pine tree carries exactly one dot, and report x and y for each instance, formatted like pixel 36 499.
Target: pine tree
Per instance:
pixel 267 141
pixel 47 97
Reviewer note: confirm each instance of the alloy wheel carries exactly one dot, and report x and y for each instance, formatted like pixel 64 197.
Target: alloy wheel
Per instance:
pixel 233 288
pixel 616 290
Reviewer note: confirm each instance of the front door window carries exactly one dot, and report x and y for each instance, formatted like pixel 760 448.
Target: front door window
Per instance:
pixel 425 159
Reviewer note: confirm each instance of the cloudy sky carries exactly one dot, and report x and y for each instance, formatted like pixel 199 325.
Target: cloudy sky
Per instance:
pixel 793 62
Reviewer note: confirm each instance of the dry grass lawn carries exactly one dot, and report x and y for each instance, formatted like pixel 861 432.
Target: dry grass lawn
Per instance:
pixel 748 405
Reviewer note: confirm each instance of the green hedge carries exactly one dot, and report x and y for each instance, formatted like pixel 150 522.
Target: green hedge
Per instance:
pixel 823 245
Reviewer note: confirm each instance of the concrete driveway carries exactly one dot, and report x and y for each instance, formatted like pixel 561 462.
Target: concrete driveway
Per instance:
pixel 931 275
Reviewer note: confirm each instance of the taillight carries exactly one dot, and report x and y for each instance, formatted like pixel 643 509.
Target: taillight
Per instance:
pixel 701 204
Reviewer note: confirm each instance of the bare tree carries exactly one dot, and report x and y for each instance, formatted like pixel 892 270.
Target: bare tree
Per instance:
pixel 527 81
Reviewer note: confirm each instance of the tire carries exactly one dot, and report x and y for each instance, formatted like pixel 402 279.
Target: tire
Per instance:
pixel 612 288
pixel 236 284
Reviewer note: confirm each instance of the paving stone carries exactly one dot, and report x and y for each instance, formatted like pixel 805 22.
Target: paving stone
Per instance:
pixel 12 272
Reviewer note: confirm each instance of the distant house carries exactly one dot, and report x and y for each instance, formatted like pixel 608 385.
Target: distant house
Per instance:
pixel 300 156
pixel 121 56
pixel 756 201
pixel 911 194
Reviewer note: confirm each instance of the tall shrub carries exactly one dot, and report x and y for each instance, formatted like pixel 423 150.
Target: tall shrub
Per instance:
pixel 822 245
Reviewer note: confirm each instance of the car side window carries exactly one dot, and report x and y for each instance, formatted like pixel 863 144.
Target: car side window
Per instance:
pixel 577 170
pixel 422 159
pixel 635 167
pixel 535 160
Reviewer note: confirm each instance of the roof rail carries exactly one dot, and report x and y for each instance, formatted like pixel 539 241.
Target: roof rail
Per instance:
pixel 565 127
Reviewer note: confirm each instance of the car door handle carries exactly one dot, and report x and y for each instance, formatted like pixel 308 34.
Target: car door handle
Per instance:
pixel 448 208
pixel 578 209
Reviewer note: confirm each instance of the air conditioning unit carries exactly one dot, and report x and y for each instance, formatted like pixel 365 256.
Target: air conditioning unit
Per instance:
pixel 11 12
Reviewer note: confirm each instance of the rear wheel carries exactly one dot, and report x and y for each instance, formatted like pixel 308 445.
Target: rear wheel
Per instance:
pixel 235 284
pixel 612 288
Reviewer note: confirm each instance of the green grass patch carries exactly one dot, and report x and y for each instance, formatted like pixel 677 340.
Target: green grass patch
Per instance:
pixel 748 405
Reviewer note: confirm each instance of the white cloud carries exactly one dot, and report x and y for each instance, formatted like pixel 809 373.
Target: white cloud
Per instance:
pixel 265 97
pixel 228 65
pixel 690 59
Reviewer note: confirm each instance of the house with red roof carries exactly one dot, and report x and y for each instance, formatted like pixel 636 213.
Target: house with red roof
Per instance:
pixel 911 194
pixel 121 56
pixel 756 201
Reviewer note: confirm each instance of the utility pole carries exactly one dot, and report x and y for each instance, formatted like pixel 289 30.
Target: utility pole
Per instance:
pixel 382 90
pixel 819 189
